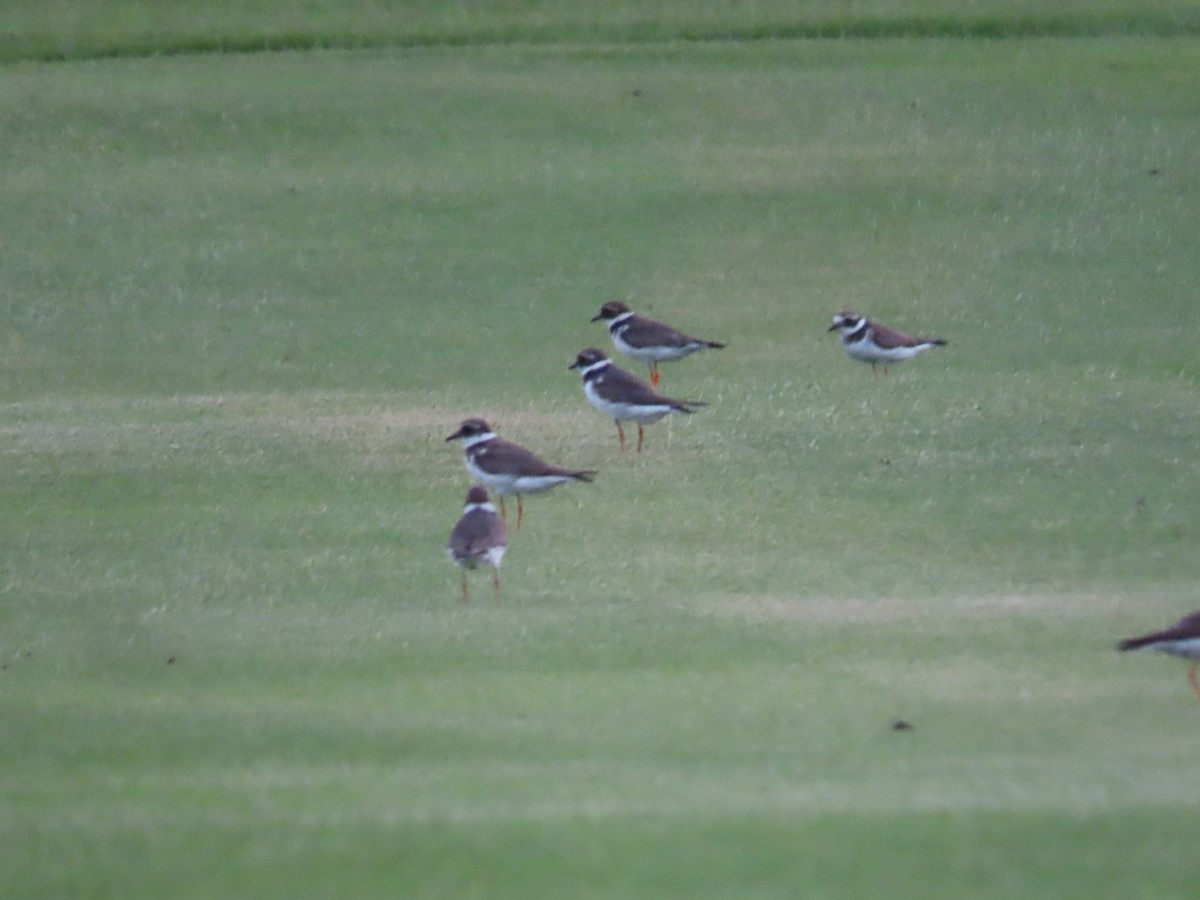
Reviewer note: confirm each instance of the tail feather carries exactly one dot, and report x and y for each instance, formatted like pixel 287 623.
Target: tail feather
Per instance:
pixel 1136 643
pixel 573 474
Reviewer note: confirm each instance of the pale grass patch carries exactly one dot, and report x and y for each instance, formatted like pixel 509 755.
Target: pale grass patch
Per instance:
pixel 782 167
pixel 370 429
pixel 972 680
pixel 551 792
pixel 759 608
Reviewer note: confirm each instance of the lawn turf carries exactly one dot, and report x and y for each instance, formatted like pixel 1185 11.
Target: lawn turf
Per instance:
pixel 247 296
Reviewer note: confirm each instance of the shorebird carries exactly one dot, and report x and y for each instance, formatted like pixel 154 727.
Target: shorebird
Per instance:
pixel 622 396
pixel 877 344
pixel 509 468
pixel 646 340
pixel 478 538
pixel 1182 639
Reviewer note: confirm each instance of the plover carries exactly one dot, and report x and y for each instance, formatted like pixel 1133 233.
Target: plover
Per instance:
pixel 509 468
pixel 877 344
pixel 622 396
pixel 478 538
pixel 1182 639
pixel 646 340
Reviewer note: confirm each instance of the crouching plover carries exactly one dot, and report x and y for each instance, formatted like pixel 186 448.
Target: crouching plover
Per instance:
pixel 877 344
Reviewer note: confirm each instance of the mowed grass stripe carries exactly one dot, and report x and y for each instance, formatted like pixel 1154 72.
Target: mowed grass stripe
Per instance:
pixel 115 29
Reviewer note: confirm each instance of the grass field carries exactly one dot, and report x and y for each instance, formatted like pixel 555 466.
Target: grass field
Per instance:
pixel 63 29
pixel 246 296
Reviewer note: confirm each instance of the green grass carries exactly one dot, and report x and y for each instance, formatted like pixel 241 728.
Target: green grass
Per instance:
pixel 61 29
pixel 247 296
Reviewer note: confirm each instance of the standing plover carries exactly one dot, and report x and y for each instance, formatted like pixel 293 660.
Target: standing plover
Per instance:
pixel 1182 639
pixel 646 340
pixel 622 396
pixel 509 468
pixel 478 538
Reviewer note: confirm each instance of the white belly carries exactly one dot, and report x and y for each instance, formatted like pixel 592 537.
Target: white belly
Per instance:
pixel 626 412
pixel 506 484
pixel 491 558
pixel 653 354
pixel 868 352
pixel 1187 648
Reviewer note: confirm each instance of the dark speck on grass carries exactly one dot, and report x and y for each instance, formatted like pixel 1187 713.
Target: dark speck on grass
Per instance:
pixel 902 725
pixel 170 660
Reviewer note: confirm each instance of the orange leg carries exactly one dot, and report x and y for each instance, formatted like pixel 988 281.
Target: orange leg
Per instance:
pixel 503 511
pixel 496 582
pixel 520 512
pixel 654 376
pixel 1192 678
pixel 621 436
pixel 464 586
pixel 641 435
